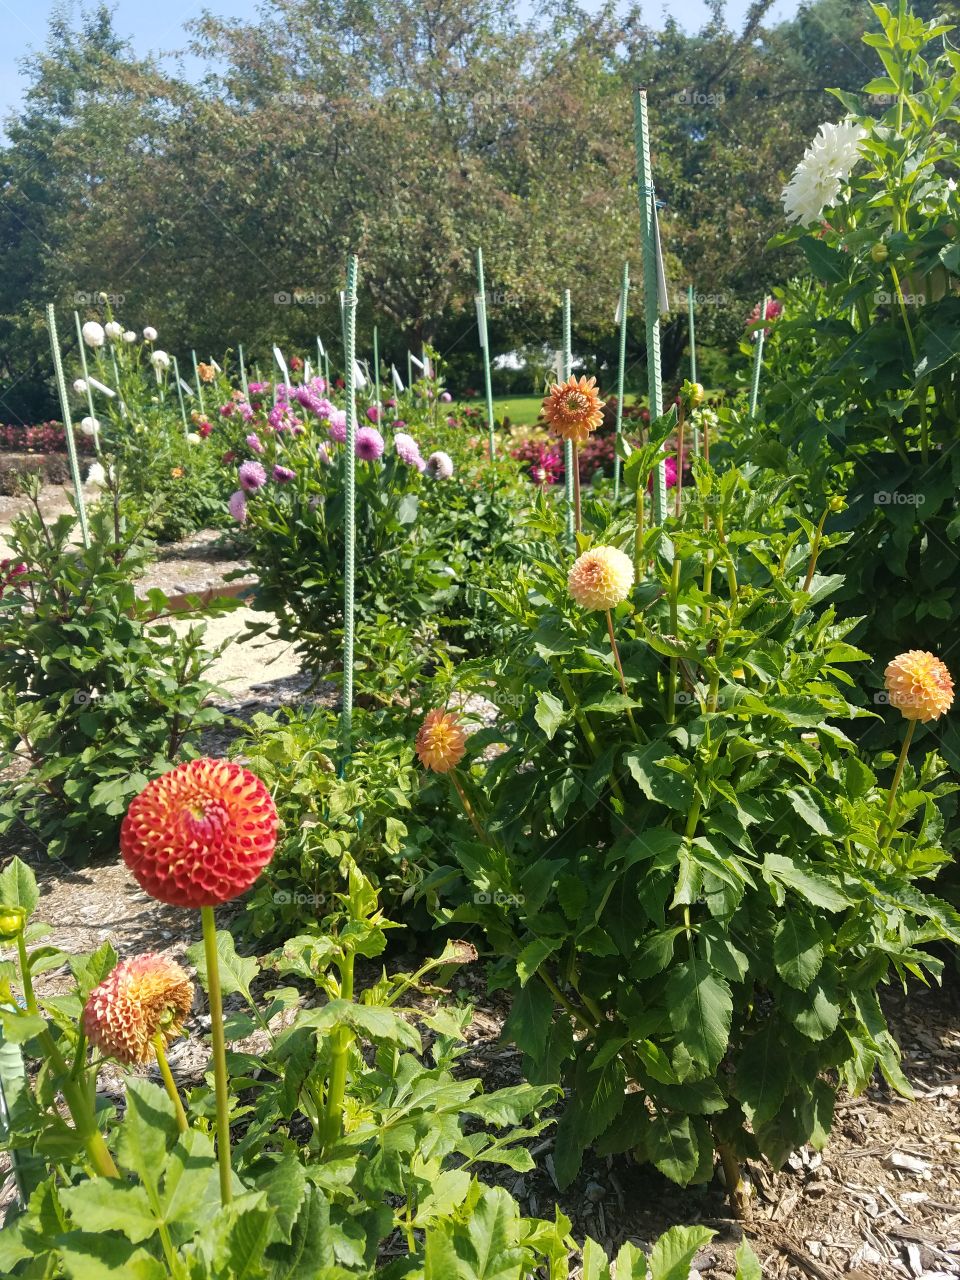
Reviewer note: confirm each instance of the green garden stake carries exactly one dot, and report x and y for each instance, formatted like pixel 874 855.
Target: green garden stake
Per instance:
pixel 376 371
pixel 183 407
pixel 243 371
pixel 349 504
pixel 67 424
pixel 196 379
pixel 568 461
pixel 651 301
pixel 409 370
pixel 116 382
pixel 485 348
pixel 758 359
pixel 693 357
pixel 83 364
pixel 621 374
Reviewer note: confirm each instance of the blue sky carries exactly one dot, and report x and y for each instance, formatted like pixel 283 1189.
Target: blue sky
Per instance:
pixel 158 27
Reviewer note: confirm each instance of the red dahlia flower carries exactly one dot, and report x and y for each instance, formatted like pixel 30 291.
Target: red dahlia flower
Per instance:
pixel 200 834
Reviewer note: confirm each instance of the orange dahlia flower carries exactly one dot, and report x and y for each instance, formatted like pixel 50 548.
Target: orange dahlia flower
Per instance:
pixel 207 372
pixel 441 742
pixel 147 996
pixel 919 685
pixel 601 578
pixel 573 409
pixel 200 834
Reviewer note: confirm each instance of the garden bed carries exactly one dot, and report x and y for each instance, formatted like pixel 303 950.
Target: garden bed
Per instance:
pixel 883 1200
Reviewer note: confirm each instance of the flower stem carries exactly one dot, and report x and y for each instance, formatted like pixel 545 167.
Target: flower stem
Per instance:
pixel 886 827
pixel 583 723
pixel 815 551
pixel 623 683
pixel 338 1060
pixel 159 1049
pixel 82 1108
pixel 638 566
pixel 678 496
pixel 219 1053
pixel 736 1187
pixel 675 628
pixel 577 518
pixel 468 807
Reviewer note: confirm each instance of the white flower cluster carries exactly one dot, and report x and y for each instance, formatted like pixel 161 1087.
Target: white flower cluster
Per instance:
pixel 826 165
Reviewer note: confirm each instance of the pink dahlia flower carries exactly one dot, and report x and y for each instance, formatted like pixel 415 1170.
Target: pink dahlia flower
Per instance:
pixel 251 476
pixel 369 444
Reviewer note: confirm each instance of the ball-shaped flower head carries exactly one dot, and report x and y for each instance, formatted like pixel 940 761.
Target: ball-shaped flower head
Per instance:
pixel 237 506
pixel 150 334
pixel 368 445
pixel 919 685
pixel 601 578
pixel 373 414
pixel 440 465
pixel 573 409
pixel 200 834
pixel 160 361
pixel 89 426
pixel 406 448
pixel 113 330
pixel 337 428
pixel 93 334
pixel 251 475
pixel 283 475
pixel 141 998
pixel 80 386
pixel 129 335
pixel 441 741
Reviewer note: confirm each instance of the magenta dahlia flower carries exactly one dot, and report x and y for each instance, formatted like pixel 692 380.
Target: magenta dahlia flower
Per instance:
pixel 254 443
pixel 373 413
pixel 446 397
pixel 251 476
pixel 283 475
pixel 369 444
pixel 406 448
pixel 237 506
pixel 337 429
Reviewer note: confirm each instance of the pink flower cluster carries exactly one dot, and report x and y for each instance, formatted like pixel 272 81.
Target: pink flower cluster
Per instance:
pixel 47 437
pixel 9 572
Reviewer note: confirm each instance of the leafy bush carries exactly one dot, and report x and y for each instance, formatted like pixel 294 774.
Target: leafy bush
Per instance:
pixel 98 691
pixel 349 1137
pixel 690 884
pixel 864 397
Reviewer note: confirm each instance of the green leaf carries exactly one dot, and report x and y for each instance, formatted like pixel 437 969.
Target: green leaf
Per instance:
pixel 90 970
pixel 828 264
pixel 236 972
pixel 748 1264
pixel 549 714
pixel 797 950
pixel 762 1076
pixel 104 1204
pixel 672 1144
pixel 817 890
pixel 530 1017
pixel 149 1128
pixel 533 955
pixel 86 1256
pixel 18 886
pixel 657 782
pixel 806 807
pixel 701 1010
pixel 285 1187
pixel 511 1105
pixel 672 1255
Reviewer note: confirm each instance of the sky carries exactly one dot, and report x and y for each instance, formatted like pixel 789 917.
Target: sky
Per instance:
pixel 158 27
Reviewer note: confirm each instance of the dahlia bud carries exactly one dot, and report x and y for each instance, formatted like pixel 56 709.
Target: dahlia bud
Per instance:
pixel 879 252
pixel 693 394
pixel 12 920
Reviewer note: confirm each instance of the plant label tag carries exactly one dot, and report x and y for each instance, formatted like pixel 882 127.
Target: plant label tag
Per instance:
pixel 185 386
pixel 397 384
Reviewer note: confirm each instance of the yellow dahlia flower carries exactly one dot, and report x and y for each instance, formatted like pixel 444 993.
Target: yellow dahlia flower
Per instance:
pixel 140 998
pixel 573 409
pixel 919 685
pixel 441 742
pixel 601 578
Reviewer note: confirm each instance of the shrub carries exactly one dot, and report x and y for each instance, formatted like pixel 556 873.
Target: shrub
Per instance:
pixel 690 884
pixel 98 691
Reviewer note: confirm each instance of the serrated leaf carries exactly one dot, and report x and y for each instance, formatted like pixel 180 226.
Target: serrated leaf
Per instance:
pixel 812 886
pixel 236 972
pixel 105 1204
pixel 797 950
pixel 549 714
pixel 18 886
pixel 673 1253
pixel 701 1010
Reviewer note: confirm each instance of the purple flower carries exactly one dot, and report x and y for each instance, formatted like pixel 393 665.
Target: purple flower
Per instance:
pixel 281 418
pixel 246 411
pixel 420 464
pixel 446 397
pixel 440 465
pixel 237 506
pixel 323 454
pixel 406 448
pixel 258 388
pixel 369 444
pixel 227 410
pixel 283 475
pixel 399 424
pixel 373 413
pixel 337 429
pixel 253 442
pixel 251 476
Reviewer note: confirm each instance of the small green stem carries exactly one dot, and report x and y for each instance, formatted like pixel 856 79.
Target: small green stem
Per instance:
pixel 468 807
pixel 903 311
pixel 675 629
pixel 886 827
pixel 159 1049
pixel 338 1061
pixel 219 1053
pixel 638 564
pixel 81 1107
pixel 583 723
pixel 575 1013
pixel 815 551
pixel 736 1187
pixel 577 519
pixel 623 683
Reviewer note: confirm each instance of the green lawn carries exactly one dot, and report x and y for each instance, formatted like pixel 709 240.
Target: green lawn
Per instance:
pixel 519 409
